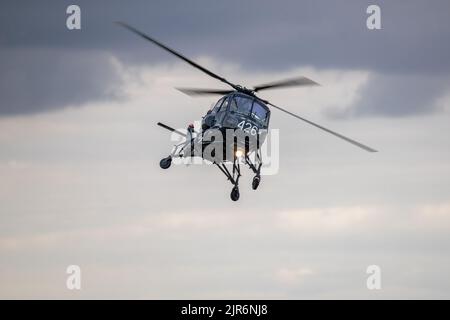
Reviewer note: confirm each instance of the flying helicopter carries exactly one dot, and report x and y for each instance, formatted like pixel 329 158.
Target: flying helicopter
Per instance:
pixel 239 111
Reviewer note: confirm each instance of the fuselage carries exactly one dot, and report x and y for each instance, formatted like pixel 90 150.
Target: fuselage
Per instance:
pixel 237 123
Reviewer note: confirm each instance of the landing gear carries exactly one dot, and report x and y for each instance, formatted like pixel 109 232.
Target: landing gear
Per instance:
pixel 234 174
pixel 233 177
pixel 235 193
pixel 165 162
pixel 255 182
pixel 256 168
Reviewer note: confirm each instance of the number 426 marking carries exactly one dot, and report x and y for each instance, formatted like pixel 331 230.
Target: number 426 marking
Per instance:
pixel 248 128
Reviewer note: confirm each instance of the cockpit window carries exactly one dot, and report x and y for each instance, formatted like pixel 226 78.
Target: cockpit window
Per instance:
pixel 259 112
pixel 217 106
pixel 241 104
pixel 224 105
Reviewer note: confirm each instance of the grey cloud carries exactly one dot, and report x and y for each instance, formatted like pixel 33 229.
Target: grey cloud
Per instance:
pixel 257 35
pixel 397 95
pixel 97 198
pixel 45 79
pixel 84 187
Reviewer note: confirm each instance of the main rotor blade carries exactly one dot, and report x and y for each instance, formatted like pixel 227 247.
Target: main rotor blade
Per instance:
pixel 192 63
pixel 204 92
pixel 300 81
pixel 356 143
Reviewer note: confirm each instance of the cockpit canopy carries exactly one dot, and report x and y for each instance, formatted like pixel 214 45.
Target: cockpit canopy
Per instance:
pixel 241 104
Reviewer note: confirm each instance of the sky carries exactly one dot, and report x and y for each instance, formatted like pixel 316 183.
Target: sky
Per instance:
pixel 80 182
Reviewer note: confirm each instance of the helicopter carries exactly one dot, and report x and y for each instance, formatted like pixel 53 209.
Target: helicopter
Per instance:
pixel 235 127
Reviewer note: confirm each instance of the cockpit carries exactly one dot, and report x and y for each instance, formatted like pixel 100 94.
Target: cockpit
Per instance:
pixel 243 105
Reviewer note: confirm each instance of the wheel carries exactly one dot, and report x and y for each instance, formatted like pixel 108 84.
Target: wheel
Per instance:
pixel 256 181
pixel 235 194
pixel 165 162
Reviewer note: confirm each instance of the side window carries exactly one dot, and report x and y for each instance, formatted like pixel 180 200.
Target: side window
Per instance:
pixel 217 106
pixel 233 105
pixel 259 112
pixel 224 105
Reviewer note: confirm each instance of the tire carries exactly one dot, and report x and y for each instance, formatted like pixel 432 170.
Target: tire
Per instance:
pixel 165 163
pixel 235 194
pixel 255 182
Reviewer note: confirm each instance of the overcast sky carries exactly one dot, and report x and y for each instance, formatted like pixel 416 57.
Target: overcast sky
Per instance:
pixel 79 151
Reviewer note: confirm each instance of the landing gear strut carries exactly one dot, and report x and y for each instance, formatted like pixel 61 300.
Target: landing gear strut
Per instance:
pixel 178 150
pixel 233 177
pixel 256 168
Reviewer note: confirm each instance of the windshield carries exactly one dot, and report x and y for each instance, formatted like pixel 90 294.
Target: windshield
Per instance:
pixel 241 104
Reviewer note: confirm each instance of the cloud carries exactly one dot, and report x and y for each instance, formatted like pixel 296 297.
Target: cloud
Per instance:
pixel 293 276
pixel 38 80
pixel 172 260
pixel 261 34
pixel 83 185
pixel 329 219
pixel 46 67
pixel 395 95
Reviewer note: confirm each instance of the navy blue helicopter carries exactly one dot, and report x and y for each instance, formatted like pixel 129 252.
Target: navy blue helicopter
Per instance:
pixel 238 111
